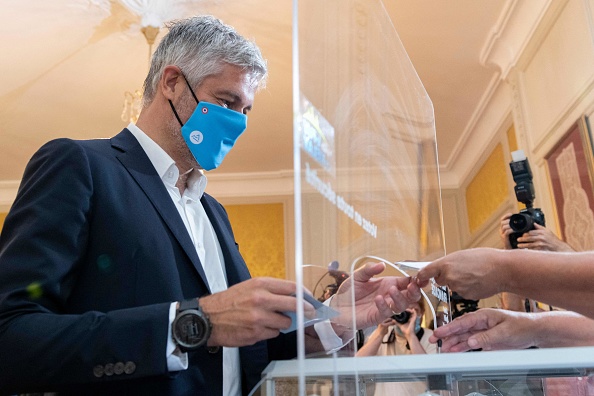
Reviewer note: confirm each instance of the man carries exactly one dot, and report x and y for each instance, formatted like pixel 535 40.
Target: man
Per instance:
pixel 119 275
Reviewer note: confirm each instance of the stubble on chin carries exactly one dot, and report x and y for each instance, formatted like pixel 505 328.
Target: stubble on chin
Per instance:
pixel 180 148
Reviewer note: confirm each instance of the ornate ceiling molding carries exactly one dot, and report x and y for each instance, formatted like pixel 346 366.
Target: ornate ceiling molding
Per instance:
pixel 515 29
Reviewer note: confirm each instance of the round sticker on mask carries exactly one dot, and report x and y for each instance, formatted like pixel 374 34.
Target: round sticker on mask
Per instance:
pixel 196 137
pixel 204 110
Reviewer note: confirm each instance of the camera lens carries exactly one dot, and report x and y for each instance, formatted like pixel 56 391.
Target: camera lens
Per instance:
pixel 521 222
pixel 402 317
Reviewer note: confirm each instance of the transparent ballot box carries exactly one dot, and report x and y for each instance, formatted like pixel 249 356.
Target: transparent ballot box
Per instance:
pixel 563 371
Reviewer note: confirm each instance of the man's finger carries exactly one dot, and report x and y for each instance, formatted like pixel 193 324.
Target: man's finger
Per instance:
pixel 274 285
pixel 368 271
pixel 430 271
pixel 413 291
pixel 383 306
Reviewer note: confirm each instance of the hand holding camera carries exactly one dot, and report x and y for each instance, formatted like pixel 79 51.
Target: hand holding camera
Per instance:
pixel 525 220
pixel 406 321
pixel 401 317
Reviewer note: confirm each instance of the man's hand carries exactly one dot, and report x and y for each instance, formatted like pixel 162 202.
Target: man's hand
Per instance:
pixel 487 329
pixel 473 273
pixel 541 238
pixel 376 299
pixel 251 311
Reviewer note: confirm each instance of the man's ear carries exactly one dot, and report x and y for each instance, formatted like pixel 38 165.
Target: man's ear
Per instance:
pixel 171 77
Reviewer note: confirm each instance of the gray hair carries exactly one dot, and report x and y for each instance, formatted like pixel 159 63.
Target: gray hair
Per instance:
pixel 200 46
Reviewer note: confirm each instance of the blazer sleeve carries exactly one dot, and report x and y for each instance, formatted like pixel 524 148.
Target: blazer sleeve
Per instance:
pixel 42 248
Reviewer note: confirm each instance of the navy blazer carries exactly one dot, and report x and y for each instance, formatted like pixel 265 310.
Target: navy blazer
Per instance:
pixel 92 253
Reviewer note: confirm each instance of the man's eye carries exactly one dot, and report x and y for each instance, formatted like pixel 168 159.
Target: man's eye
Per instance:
pixel 225 103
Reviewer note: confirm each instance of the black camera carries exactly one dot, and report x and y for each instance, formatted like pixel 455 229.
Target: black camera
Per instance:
pixel 523 221
pixel 402 318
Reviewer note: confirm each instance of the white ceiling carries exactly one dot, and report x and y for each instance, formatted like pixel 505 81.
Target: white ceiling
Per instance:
pixel 68 62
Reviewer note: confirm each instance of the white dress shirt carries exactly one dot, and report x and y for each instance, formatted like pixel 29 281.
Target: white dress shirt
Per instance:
pixel 207 246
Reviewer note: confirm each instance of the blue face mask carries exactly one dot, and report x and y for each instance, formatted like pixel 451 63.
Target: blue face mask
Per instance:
pixel 211 131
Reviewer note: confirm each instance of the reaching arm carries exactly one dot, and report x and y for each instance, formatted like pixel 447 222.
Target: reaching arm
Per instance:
pixel 559 279
pixel 493 329
pixel 364 301
pixel 375 298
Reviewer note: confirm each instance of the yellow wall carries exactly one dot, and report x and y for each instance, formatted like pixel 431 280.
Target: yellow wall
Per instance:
pixel 511 139
pixel 260 232
pixel 2 217
pixel 488 190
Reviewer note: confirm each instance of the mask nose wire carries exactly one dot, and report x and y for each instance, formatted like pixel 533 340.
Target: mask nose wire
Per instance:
pixel 193 95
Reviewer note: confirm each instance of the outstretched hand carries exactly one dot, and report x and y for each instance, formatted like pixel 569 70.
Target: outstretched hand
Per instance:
pixel 473 273
pixel 375 299
pixel 487 329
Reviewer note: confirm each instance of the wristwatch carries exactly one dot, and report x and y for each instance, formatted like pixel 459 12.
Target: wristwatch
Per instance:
pixel 191 327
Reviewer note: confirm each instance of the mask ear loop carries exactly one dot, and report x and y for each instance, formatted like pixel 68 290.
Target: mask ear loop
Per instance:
pixel 191 90
pixel 175 112
pixel 193 95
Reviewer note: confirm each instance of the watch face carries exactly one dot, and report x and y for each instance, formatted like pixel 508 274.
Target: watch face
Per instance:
pixel 190 329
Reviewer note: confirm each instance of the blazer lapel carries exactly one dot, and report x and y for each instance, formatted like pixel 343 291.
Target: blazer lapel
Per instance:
pixel 235 266
pixel 135 160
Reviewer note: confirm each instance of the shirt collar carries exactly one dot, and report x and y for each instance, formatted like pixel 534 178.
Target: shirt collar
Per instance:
pixel 165 165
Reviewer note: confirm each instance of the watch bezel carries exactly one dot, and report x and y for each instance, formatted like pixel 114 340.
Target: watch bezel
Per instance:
pixel 191 342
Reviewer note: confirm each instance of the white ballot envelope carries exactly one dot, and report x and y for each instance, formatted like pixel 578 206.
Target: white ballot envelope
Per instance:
pixel 323 312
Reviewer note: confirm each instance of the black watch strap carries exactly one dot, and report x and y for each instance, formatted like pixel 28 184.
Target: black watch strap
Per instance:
pixel 188 304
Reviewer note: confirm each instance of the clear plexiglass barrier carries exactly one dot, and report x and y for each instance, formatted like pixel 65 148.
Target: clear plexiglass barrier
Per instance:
pixel 367 183
pixel 367 190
